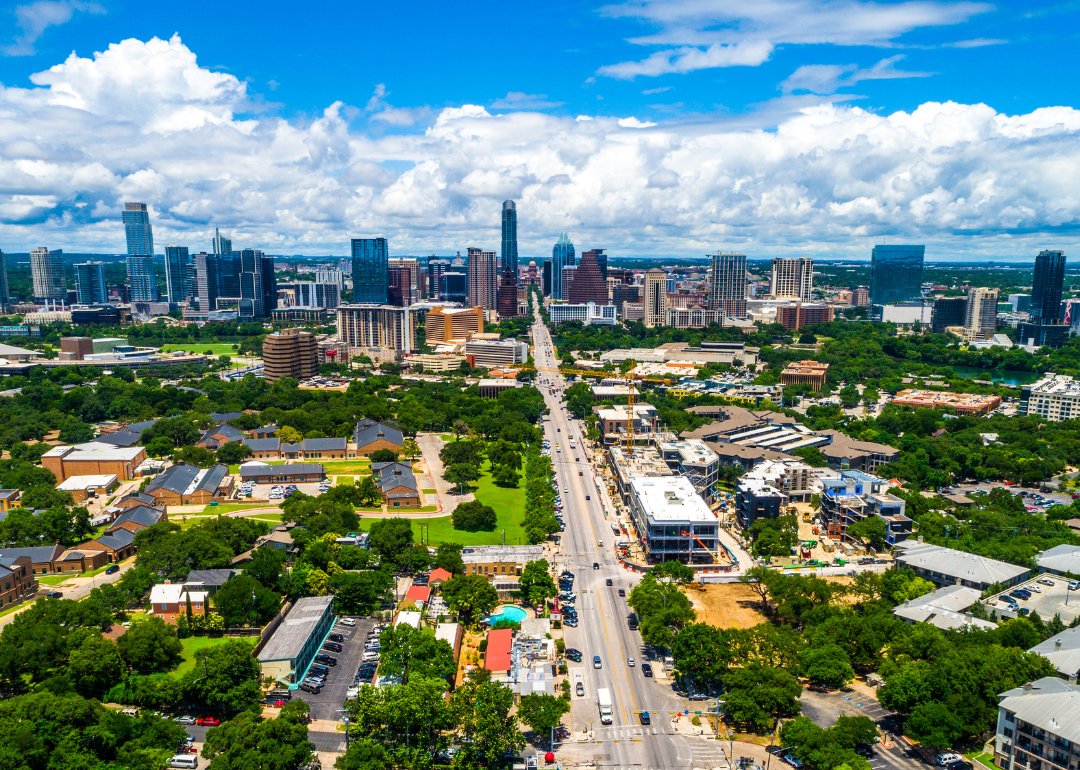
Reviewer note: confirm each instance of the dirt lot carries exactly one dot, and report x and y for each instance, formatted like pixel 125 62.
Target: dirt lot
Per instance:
pixel 726 605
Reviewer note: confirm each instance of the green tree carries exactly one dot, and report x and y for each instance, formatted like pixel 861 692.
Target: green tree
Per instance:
pixel 536 583
pixel 232 453
pixel 828 666
pixel 473 516
pixel 759 694
pixel 247 741
pixel 361 593
pixel 150 644
pixel 244 601
pixel 505 476
pixel 384 456
pixel 289 435
pixel 408 652
pixel 461 474
pixel 410 449
pixel 369 492
pixel 872 530
pixel 195 455
pixel 702 652
pixel 849 396
pixel 225 676
pixel 935 725
pixel 673 572
pixel 470 596
pixel 482 713
pixel 94 665
pixel 391 539
pixel 542 712
pixel 448 557
pixel 265 566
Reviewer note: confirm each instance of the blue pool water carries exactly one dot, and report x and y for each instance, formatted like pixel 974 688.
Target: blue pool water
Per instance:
pixel 508 612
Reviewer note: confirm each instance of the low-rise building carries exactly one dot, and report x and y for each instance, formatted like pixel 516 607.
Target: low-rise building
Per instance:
pixel 1038 725
pixel 494 353
pixel 138 517
pixel 946 608
pixel 451 633
pixel 672 521
pixel 1056 397
pixel 589 313
pixel 264 448
pixel 93 460
pixel 808 372
pixel 218 436
pixel 292 473
pixel 397 482
pixel 856 495
pixel 491 388
pixel 693 459
pixel 1063 651
pixel 758 498
pixel 186 484
pixel 946 566
pixel 297 640
pixel 792 477
pixel 501 560
pixel 371 436
pixel 846 453
pixel 17 581
pixel 83 488
pixel 958 403
pixel 1060 560
pixel 10 499
pixel 169 601
pixel 439 363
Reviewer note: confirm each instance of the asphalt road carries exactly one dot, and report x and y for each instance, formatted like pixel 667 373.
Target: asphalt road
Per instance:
pixel 825 708
pixel 602 615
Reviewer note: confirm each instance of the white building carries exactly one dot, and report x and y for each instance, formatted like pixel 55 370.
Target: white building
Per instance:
pixel 693 459
pixel 589 313
pixel 1038 725
pixel 946 608
pixel 792 477
pixel 1056 397
pixel 693 317
pixel 672 521
pixel 792 278
pixel 493 353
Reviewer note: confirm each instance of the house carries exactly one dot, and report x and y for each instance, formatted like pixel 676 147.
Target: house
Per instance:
pixel 1038 725
pixel 264 448
pixel 9 499
pixel 946 608
pixel 370 436
pixel 17 581
pixel 418 595
pixel 945 566
pixel 437 577
pixel 497 658
pixel 278 539
pixel 170 600
pixel 296 473
pixel 208 580
pixel 451 633
pixel 139 517
pixel 397 483
pixel 186 484
pixel 93 459
pixel 82 488
pixel 222 434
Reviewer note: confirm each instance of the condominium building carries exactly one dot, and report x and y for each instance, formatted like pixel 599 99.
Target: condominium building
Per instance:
pixel 377 326
pixel 336 277
pixel 792 278
pixel 655 299
pixel 47 274
pixel 857 495
pixel 860 296
pixel 445 324
pixel 794 317
pixel 494 353
pixel 140 248
pixel 810 373
pixel 483 279
pixel 980 318
pixel 1038 726
pixel 369 270
pixel 1056 397
pixel 727 284
pixel 290 353
pixel 589 313
pixel 403 281
pixel 179 274
pixel 90 283
pixel 693 317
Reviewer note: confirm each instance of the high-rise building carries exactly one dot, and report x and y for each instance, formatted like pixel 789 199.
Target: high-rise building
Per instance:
pixel 727 284
pixel 435 270
pixel 948 311
pixel 47 274
pixel 222 245
pixel 568 273
pixel 454 285
pixel 403 280
pixel 331 276
pixel 241 280
pixel 290 353
pixel 179 274
pixel 369 270
pixel 311 294
pixel 1046 286
pixel 980 320
pixel 140 249
pixel 562 255
pixel 508 294
pixel 378 326
pixel 655 298
pixel 90 283
pixel 589 284
pixel 545 277
pixel 860 296
pixel 5 291
pixel 444 324
pixel 509 237
pixel 896 274
pixel 792 278
pixel 205 284
pixel 483 279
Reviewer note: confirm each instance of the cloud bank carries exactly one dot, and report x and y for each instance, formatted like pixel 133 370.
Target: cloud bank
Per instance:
pixel 143 121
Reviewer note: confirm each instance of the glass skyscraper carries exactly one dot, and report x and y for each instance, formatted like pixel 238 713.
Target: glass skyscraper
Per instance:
pixel 140 249
pixel 896 274
pixel 90 283
pixel 509 237
pixel 562 255
pixel 179 274
pixel 370 270
pixel 5 292
pixel 47 274
pixel 1046 287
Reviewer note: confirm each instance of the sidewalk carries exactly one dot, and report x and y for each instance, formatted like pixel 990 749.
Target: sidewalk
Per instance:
pixel 430 444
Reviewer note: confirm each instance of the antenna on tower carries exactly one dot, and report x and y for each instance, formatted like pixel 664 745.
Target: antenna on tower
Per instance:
pixel 884 235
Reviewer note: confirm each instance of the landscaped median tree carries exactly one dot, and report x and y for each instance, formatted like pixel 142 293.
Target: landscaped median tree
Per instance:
pixel 470 596
pixel 758 695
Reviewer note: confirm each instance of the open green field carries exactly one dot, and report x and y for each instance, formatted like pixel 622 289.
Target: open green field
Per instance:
pixel 352 467
pixel 216 348
pixel 235 468
pixel 428 491
pixel 53 580
pixel 269 518
pixel 193 644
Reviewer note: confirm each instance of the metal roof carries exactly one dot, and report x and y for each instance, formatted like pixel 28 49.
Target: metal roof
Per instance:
pixel 280 470
pixel 1051 704
pixel 957 564
pixel 290 637
pixel 263 444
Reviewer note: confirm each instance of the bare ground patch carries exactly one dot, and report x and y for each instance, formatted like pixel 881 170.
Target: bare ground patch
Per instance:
pixel 726 605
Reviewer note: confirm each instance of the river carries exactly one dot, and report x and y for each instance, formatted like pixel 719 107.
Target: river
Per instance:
pixel 1003 376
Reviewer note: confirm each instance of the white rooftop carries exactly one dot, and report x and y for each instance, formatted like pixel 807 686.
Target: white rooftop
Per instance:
pixel 1060 559
pixel 108 453
pixel 78 483
pixel 1057 384
pixel 408 618
pixel 671 498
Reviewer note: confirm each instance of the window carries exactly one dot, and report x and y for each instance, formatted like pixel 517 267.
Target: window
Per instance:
pixel 1009 716
pixel 1007 732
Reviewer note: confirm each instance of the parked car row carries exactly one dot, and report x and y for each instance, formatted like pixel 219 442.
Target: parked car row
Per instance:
pixel 567 598
pixel 279 491
pixel 365 674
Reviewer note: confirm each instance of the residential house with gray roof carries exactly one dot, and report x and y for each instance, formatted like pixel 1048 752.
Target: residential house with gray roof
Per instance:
pixel 946 566
pixel 186 484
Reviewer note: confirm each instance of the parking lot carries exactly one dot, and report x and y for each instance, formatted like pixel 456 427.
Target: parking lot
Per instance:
pixel 263 491
pixel 325 704
pixel 824 708
pixel 1047 600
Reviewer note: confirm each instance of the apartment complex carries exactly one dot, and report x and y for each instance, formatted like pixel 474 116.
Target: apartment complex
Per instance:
pixel 857 495
pixel 483 279
pixel 290 353
pixel 807 372
pixel 1038 726
pixel 959 403
pixel 655 298
pixel 792 278
pixel 794 317
pixel 378 326
pixel 1056 397
pixel 672 521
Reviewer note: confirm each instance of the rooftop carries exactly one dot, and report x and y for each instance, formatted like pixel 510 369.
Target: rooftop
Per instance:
pixel 500 643
pixel 289 638
pixel 956 564
pixel 1051 703
pixel 76 483
pixel 1054 384
pixel 1060 558
pixel 1063 651
pixel 474 554
pixel 671 498
pixel 944 608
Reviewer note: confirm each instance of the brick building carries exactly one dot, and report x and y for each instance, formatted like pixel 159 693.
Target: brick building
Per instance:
pixel 371 436
pixel 185 484
pixel 67 461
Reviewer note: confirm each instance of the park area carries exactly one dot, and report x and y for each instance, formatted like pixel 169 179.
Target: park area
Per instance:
pixel 193 644
pixel 215 348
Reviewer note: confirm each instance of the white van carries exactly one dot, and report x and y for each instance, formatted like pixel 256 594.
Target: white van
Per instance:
pixel 188 761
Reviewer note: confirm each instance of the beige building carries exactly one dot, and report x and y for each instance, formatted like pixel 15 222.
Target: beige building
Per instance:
pixel 444 324
pixel 809 373
pixel 290 353
pixel 378 326
pixel 499 560
pixel 792 278
pixel 483 279
pixel 655 298
pixel 980 321
pixel 436 362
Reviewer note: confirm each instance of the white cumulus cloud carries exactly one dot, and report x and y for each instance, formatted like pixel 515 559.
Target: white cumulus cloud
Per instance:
pixel 34 18
pixel 143 121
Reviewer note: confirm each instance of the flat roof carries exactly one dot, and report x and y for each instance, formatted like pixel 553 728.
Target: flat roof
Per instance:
pixel 671 498
pixel 75 483
pixel 291 636
pixel 500 643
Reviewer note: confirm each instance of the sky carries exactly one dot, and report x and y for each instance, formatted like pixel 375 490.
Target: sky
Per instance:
pixel 648 127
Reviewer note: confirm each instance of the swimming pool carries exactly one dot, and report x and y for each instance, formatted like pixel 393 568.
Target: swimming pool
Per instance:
pixel 510 612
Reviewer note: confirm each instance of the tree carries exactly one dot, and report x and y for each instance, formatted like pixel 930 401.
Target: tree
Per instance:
pixel 702 652
pixel 872 530
pixel 265 566
pixel 758 694
pixel 828 666
pixel 469 596
pixel 482 713
pixel 361 593
pixel 542 712
pixel 195 455
pixel 673 572
pixel 505 476
pixel 233 453
pixel 448 557
pixel 461 474
pixel 94 666
pixel 473 516
pixel 408 652
pixel 410 449
pixel 225 677
pixel 391 539
pixel 849 396
pixel 368 491
pixel 150 644
pixel 247 741
pixel 935 725
pixel 244 601
pixel 536 583
pixel 289 435
pixel 384 456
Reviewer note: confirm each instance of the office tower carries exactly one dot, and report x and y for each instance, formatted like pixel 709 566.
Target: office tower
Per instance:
pixel 222 245
pixel 241 280
pixel 948 311
pixel 727 284
pixel 378 326
pixel 310 294
pixel 562 255
pixel 1046 287
pixel 206 281
pixel 794 317
pixel 444 324
pixel 140 249
pixel 545 277
pixel 589 284
pixel 90 283
pixel 509 237
pixel 568 279
pixel 435 270
pixel 508 294
pixel 483 279
pixel 624 292
pixel 179 274
pixel 860 296
pixel 980 319
pixel 369 270
pixel 896 274
pixel 655 299
pixel 601 261
pixel 672 286
pixel 5 291
pixel 47 274
pixel 792 278
pixel 404 273
pixel 454 285
pixel 290 353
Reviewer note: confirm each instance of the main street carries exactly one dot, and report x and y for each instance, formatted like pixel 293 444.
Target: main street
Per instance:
pixel 602 613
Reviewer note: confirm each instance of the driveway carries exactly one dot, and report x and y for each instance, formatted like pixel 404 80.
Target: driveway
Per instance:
pixel 326 704
pixel 825 708
pixel 76 588
pixel 430 444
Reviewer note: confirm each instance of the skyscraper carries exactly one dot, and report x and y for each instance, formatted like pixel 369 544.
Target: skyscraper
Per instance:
pixel 561 256
pixel 435 270
pixel 896 274
pixel 5 291
pixel 483 279
pixel 179 274
pixel 1046 287
pixel 90 283
pixel 792 278
pixel 727 284
pixel 508 294
pixel 140 249
pixel 509 236
pixel 222 245
pixel 47 274
pixel 369 270
pixel 240 280
pixel 655 302
pixel 948 311
pixel 403 273
pixel 589 284
pixel 980 319
pixel 206 281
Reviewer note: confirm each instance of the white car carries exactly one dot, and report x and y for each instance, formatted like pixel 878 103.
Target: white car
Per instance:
pixel 630 662
pixel 347 621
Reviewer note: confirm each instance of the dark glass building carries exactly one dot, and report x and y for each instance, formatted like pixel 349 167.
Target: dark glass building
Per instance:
pixel 90 283
pixel 948 311
pixel 545 278
pixel 562 255
pixel 454 285
pixel 896 274
pixel 1046 287
pixel 370 270
pixel 509 237
pixel 179 274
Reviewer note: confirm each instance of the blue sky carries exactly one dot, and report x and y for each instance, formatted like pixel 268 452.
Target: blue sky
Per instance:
pixel 744 95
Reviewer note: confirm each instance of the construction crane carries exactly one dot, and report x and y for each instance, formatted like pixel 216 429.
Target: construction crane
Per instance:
pixel 630 391
pixel 691 534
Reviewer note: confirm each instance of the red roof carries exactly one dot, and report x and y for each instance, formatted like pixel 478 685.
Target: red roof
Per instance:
pixel 499 643
pixel 418 594
pixel 439 574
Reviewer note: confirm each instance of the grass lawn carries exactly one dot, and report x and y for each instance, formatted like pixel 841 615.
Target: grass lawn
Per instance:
pixel 190 520
pixel 428 491
pixel 985 758
pixel 354 467
pixel 53 580
pixel 236 468
pixel 509 505
pixel 217 348
pixel 269 518
pixel 230 507
pixel 193 644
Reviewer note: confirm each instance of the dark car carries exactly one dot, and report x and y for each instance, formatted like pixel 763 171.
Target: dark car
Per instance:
pixel 112 569
pixel 327 659
pixel 54 595
pixel 777 750
pixel 608 581
pixel 332 646
pixel 960 765
pixel 596 565
pixel 622 592
pixel 317 669
pixel 864 749
pixel 644 717
pixel 646 669
pixel 574 655
pixel 336 638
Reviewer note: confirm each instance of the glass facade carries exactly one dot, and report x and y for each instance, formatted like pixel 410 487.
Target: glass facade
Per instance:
pixel 1046 286
pixel 369 270
pixel 562 255
pixel 509 237
pixel 896 274
pixel 179 274
pixel 90 283
pixel 140 236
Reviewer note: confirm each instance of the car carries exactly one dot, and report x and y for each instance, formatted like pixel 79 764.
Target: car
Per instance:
pixel 646 669
pixel 961 765
pixel 327 659
pixel 336 638
pixel 112 569
pixel 580 690
pixel 1074 585
pixel 596 663
pixel 580 473
pixel 1047 582
pixel 332 646
pixel 208 721
pixel 792 760
pixel 630 662
pixel 599 543
pixel 347 621
pixel 54 595
pixel 643 717
pixel 185 719
pixel 1023 611
pixel 587 497
pixel 777 750
pixel 945 758
pixel 596 565
pixel 608 582
pixel 622 592
pixel 1034 588
pixel 864 749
